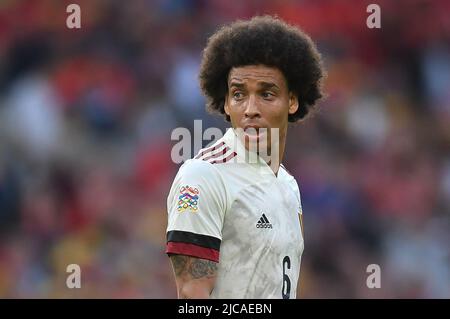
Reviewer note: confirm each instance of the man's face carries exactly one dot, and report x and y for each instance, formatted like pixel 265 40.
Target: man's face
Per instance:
pixel 258 97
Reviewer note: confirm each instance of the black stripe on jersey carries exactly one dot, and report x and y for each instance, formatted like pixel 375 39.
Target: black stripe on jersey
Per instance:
pixel 193 238
pixel 265 218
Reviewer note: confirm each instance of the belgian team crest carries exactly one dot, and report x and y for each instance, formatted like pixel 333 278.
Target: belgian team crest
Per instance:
pixel 188 199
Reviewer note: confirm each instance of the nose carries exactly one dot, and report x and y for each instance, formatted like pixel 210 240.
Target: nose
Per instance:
pixel 252 108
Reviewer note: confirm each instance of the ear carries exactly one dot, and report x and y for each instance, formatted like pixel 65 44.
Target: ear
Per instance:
pixel 293 103
pixel 225 106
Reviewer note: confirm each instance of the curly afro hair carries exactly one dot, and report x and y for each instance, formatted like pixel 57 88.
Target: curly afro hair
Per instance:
pixel 268 41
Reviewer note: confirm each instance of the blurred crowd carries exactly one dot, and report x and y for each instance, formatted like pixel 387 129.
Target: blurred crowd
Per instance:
pixel 85 139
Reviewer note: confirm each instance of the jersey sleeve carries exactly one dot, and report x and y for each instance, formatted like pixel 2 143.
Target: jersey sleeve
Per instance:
pixel 196 208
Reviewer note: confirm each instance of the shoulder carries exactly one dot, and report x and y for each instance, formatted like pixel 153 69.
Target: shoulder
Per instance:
pixel 195 171
pixel 198 178
pixel 218 153
pixel 197 167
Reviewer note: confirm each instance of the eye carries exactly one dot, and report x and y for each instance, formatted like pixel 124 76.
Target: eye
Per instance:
pixel 237 95
pixel 267 95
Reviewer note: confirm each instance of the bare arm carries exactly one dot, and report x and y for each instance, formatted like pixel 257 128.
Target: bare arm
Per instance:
pixel 195 277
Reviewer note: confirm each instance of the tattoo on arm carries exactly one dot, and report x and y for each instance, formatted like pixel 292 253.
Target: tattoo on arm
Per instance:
pixel 202 268
pixel 193 267
pixel 179 264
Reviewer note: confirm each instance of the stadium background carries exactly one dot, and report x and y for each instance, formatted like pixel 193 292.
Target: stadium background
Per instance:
pixel 85 123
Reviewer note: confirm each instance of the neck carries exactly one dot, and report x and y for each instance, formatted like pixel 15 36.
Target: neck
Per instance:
pixel 275 158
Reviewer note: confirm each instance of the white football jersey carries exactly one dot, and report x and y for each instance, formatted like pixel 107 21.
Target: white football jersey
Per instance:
pixel 240 215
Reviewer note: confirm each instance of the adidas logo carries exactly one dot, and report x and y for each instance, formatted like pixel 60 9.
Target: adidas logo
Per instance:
pixel 263 222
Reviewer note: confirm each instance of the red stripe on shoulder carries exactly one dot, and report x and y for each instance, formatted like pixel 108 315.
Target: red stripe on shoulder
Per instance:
pixel 224 160
pixel 214 155
pixel 209 149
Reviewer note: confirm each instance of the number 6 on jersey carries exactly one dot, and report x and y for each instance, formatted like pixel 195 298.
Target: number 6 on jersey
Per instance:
pixel 286 291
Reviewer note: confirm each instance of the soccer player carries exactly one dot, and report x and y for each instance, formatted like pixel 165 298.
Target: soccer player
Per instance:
pixel 234 225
